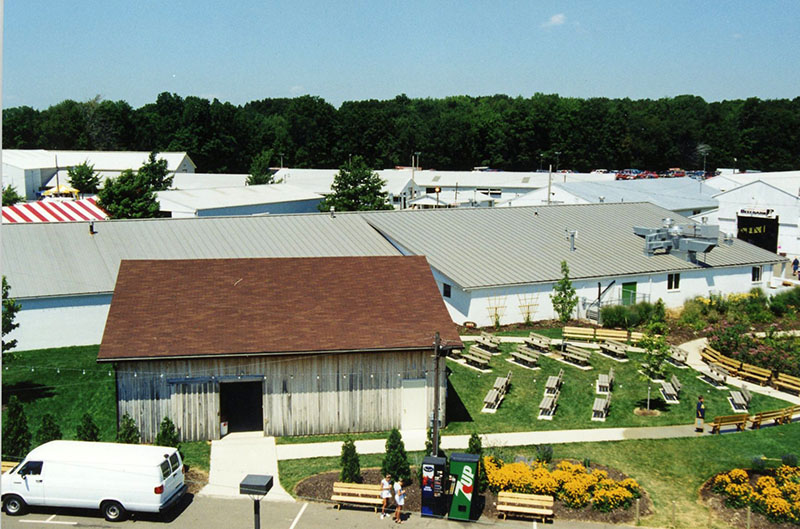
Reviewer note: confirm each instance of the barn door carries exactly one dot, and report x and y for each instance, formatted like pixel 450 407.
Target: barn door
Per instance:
pixel 415 404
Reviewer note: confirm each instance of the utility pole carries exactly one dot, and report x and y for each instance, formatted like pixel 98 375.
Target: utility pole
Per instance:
pixel 435 436
pixel 549 182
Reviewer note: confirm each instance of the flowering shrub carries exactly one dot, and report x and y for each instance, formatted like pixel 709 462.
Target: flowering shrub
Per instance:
pixel 569 482
pixel 777 497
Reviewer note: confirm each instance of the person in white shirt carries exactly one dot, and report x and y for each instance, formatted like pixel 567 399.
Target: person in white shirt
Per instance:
pixel 386 493
pixel 399 499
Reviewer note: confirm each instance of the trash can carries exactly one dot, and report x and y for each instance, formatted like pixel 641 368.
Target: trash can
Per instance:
pixel 434 478
pixel 464 468
pixel 223 428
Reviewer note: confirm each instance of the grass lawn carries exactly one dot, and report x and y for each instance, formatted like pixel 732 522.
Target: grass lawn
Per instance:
pixel 671 470
pixel 66 382
pixel 520 408
pixel 197 454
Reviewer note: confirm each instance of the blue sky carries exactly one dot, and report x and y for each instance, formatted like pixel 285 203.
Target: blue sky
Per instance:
pixel 244 50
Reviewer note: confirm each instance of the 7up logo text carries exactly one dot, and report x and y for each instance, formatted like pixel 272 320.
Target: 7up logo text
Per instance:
pixel 465 483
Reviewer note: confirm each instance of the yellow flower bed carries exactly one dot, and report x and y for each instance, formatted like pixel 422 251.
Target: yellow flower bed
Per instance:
pixel 569 482
pixel 777 497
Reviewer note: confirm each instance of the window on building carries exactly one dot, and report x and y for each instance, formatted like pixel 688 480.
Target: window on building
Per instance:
pixel 673 281
pixel 756 275
pixel 446 290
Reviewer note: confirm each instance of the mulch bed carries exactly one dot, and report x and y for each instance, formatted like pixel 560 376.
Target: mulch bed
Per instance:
pixel 320 487
pixel 196 479
pixel 737 517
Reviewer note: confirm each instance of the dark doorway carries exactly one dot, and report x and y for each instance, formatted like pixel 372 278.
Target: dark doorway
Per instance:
pixel 761 231
pixel 241 404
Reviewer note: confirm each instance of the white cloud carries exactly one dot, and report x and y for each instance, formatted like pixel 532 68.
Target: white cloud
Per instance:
pixel 555 20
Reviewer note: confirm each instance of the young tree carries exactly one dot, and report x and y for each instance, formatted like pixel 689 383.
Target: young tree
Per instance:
pixel 351 466
pixel 10 309
pixel 129 196
pixel 10 196
pixel 564 297
pixel 356 187
pixel 475 446
pixel 48 431
pixel 395 462
pixel 260 172
pixel 128 432
pixel 167 434
pixel 155 173
pixel 87 430
pixel 657 350
pixel 16 435
pixel 83 178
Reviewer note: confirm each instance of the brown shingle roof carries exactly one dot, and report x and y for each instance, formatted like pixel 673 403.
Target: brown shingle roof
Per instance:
pixel 209 307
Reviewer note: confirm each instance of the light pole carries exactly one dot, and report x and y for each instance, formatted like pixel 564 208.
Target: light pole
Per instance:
pixel 734 165
pixel 541 161
pixel 417 155
pixel 281 160
pixel 558 154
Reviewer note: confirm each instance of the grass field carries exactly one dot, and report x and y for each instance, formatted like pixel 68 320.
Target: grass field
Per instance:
pixel 519 410
pixel 671 470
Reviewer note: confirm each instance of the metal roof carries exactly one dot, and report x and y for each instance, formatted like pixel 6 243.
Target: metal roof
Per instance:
pixel 486 247
pixel 193 200
pixel 502 179
pixel 207 180
pixel 320 180
pixel 102 160
pixel 60 259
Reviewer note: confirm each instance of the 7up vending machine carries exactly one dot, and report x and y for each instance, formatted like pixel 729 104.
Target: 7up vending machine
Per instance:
pixel 464 472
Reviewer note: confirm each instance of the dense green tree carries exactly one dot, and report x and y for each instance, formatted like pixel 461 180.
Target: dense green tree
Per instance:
pixel 395 461
pixel 356 187
pixel 10 196
pixel 10 309
pixel 48 430
pixel 128 196
pixel 564 297
pixel 87 430
pixel 128 432
pixel 155 174
pixel 167 434
pixel 84 178
pixel 349 460
pixel 260 172
pixel 16 435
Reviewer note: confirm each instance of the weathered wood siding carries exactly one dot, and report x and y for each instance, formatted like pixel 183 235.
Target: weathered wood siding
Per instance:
pixel 303 394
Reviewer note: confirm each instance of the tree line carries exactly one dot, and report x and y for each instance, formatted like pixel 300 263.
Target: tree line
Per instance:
pixel 453 133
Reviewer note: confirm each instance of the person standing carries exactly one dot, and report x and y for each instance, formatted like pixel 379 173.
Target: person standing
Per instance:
pixel 399 499
pixel 795 266
pixel 386 493
pixel 701 414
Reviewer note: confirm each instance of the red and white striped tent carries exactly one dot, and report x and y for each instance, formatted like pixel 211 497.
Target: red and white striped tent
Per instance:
pixel 54 211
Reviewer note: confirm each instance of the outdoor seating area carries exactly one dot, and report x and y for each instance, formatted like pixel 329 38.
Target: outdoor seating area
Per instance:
pixel 744 370
pixel 600 408
pixel 547 407
pixel 739 421
pixel 605 382
pixel 784 382
pixel 538 342
pixel 614 335
pixel 670 391
pixel 553 384
pixel 526 356
pixel 535 505
pixel 357 494
pixel 678 356
pixel 716 375
pixel 477 357
pixel 496 395
pixel 780 416
pixel 585 334
pixel 615 350
pixel 740 399
pixel 489 342
pixel 576 355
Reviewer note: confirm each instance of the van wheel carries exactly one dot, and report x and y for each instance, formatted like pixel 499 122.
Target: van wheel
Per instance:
pixel 113 511
pixel 14 505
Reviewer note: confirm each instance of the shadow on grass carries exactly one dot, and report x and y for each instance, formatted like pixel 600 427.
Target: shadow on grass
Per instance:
pixel 27 391
pixel 655 404
pixel 456 411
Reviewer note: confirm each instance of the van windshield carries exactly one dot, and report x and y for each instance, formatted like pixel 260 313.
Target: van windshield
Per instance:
pixel 174 461
pixel 165 470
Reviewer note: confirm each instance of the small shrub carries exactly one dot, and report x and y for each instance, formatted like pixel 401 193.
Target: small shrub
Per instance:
pixel 48 431
pixel 395 462
pixel 351 465
pixel 790 460
pixel 167 434
pixel 544 453
pixel 128 432
pixel 87 430
pixel 16 435
pixel 759 463
pixel 475 446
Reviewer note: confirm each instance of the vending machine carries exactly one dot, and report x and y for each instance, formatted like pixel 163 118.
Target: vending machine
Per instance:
pixel 464 480
pixel 434 481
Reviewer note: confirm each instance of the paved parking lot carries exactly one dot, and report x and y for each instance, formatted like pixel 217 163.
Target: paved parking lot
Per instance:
pixel 207 512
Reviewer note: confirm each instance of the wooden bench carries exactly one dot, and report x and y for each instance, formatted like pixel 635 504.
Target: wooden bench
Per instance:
pixel 525 355
pixel 585 334
pixel 600 408
pixel 611 335
pixel 678 356
pixel 357 494
pixel 778 416
pixel 477 356
pixel 740 421
pixel 784 382
pixel 791 411
pixel 489 341
pixel 539 342
pixel 740 399
pixel 671 390
pixel 536 505
pixel 733 366
pixel 757 374
pixel 576 355
pixel 709 355
pixel 495 395
pixel 604 383
pixel 547 407
pixel 717 375
pixel 553 384
pixel 636 336
pixel 615 349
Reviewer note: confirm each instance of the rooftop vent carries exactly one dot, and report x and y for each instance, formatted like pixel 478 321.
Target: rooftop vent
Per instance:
pixel 683 240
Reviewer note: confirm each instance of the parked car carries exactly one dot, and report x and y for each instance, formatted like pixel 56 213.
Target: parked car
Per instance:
pixel 115 478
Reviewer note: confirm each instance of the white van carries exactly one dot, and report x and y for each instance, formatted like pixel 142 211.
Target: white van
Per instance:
pixel 115 478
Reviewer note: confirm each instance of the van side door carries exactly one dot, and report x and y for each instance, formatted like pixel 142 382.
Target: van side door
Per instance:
pixel 28 482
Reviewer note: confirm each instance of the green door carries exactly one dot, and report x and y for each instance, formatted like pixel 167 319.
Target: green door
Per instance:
pixel 628 293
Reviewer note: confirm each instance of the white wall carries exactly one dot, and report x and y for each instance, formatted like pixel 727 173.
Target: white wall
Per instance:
pixel 60 322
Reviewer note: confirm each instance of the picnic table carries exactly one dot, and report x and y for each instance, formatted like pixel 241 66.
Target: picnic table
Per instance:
pixel 553 383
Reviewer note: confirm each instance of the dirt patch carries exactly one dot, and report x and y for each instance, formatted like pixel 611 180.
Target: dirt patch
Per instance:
pixel 320 487
pixel 196 479
pixel 646 413
pixel 737 517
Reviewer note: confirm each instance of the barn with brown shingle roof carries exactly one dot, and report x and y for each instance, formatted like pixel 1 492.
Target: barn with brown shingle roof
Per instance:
pixel 290 346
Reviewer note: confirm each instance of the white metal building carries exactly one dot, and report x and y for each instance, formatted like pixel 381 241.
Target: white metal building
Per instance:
pixel 243 200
